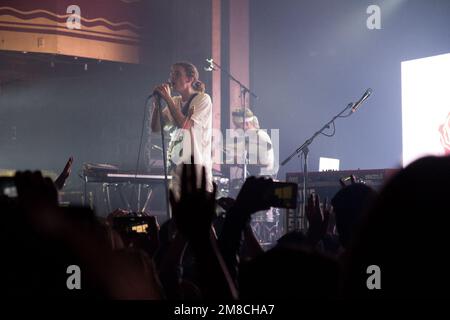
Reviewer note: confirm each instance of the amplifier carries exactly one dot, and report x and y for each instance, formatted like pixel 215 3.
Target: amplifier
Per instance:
pixel 326 184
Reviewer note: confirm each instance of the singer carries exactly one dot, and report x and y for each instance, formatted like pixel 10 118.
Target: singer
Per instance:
pixel 190 113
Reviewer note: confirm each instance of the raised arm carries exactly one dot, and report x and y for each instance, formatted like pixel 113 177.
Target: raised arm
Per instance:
pixel 193 214
pixel 61 180
pixel 173 110
pixel 252 198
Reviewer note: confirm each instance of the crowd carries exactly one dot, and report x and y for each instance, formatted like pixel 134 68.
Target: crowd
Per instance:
pixel 361 244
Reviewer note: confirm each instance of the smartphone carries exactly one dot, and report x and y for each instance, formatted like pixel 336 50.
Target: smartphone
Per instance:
pixel 133 225
pixel 284 195
pixel 8 187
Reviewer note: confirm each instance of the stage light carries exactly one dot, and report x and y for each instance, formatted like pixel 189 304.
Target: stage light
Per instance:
pixel 328 164
pixel 425 107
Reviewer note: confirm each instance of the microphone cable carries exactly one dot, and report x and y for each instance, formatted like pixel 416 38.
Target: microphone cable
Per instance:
pixel 142 135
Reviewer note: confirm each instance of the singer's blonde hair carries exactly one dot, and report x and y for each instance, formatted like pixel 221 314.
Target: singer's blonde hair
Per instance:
pixel 192 72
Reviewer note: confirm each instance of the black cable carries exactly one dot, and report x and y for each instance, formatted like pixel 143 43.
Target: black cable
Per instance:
pixel 332 134
pixel 140 143
pixel 142 137
pixel 347 115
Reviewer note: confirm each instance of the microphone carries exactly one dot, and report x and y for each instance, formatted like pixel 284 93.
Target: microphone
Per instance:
pixel 363 98
pixel 170 83
pixel 211 65
pixel 154 94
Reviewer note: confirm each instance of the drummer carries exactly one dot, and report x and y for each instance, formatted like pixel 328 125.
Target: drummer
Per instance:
pixel 265 165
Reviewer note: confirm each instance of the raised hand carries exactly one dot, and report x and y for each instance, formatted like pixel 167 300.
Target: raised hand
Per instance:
pixel 61 180
pixel 226 203
pixel 35 192
pixel 317 218
pixel 254 195
pixel 149 241
pixel 116 213
pixel 194 211
pixel 193 214
pixel 164 91
pixel 38 198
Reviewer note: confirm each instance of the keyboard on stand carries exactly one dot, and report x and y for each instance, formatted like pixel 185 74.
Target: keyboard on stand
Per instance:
pixel 115 181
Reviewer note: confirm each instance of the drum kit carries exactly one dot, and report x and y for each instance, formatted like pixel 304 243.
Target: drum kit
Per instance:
pixel 266 225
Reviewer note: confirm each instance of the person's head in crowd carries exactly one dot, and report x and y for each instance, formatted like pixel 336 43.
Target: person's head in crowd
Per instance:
pixel 287 273
pixel 43 245
pixel 405 236
pixel 293 239
pixel 349 205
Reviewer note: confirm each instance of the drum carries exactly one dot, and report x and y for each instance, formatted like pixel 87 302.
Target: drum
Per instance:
pixel 267 226
pixel 223 186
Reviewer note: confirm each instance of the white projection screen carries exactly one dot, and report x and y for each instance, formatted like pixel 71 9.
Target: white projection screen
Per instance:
pixel 425 107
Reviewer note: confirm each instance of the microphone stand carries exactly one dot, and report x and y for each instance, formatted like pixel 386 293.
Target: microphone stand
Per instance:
pixel 305 150
pixel 163 145
pixel 244 90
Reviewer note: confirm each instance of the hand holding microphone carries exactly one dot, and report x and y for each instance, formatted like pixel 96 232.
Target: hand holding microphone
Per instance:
pixel 163 91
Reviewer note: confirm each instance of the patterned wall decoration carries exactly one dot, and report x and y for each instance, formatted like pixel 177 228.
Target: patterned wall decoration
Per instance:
pixel 98 29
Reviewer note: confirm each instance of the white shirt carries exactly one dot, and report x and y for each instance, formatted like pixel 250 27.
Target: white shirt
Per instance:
pixel 258 150
pixel 196 141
